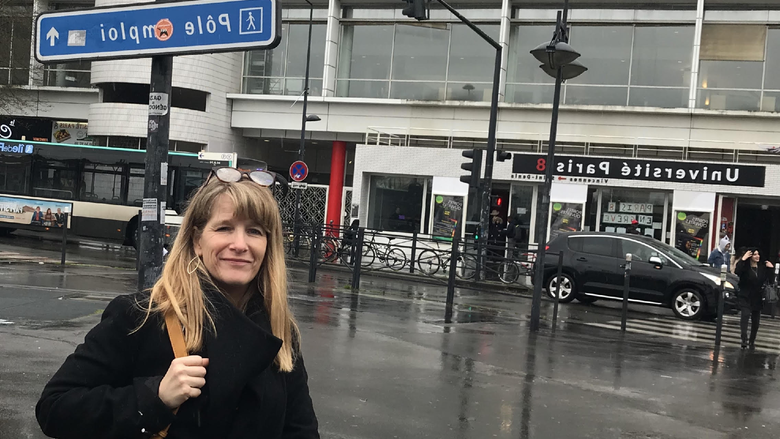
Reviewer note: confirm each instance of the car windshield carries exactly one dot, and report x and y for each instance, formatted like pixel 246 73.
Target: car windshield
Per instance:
pixel 677 255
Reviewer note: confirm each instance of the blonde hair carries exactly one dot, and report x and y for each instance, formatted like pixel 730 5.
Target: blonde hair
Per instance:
pixel 179 291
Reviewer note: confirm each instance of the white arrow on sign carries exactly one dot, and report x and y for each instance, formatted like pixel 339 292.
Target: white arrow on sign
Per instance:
pixel 52 35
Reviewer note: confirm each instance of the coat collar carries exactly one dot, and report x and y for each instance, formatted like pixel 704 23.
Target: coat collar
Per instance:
pixel 241 349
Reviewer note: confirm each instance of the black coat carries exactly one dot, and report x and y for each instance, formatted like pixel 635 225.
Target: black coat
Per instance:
pixel 750 283
pixel 107 389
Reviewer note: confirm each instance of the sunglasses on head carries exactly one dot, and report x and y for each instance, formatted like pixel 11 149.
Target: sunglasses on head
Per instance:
pixel 233 175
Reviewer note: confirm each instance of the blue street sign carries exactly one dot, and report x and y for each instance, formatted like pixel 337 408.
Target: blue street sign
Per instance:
pixel 157 29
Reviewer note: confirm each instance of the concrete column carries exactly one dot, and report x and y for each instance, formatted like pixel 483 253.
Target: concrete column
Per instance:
pixel 336 187
pixel 503 39
pixel 332 37
pixel 36 69
pixel 695 57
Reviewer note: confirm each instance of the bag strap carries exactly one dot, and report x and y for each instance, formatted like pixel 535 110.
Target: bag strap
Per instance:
pixel 176 336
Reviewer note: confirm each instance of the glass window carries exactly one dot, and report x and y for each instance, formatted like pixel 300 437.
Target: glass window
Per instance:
pixel 471 57
pixel 521 205
pixel 365 52
pixel 297 41
pixel 420 53
pixel 745 100
pixel 662 56
pixel 421 91
pixel 639 252
pixel 20 46
pixel 15 174
pixel 523 67
pixel 102 183
pixel 590 95
pixel 55 179
pixel 396 203
pixel 601 246
pixel 658 97
pixel 74 74
pixel 282 71
pixel 620 207
pixel 606 50
pixel 731 74
pixel 772 78
pixel 135 187
pixel 530 93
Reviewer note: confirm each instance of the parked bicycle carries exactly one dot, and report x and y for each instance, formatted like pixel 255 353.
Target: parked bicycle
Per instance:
pixel 510 270
pixel 431 261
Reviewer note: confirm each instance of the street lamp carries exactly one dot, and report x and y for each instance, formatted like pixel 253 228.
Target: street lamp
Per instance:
pixel 304 118
pixel 558 60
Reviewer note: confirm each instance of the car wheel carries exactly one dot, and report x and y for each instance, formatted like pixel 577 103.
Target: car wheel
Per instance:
pixel 568 288
pixel 585 299
pixel 688 304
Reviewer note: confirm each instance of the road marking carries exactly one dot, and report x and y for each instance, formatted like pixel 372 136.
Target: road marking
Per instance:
pixel 6 322
pixel 768 339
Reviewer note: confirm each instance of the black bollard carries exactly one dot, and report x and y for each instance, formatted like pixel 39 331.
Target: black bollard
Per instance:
pixel 316 236
pixel 357 258
pixel 414 252
pixel 626 286
pixel 138 243
pixel 64 238
pixel 557 290
pixel 721 297
pixel 454 255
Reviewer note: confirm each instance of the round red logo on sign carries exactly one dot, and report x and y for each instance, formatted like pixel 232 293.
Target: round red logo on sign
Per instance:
pixel 164 29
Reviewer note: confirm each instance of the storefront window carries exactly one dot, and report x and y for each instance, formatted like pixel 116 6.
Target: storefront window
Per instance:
pixel 396 203
pixel 521 206
pixel 621 207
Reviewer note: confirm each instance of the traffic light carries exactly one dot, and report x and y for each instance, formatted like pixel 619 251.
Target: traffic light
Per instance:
pixel 503 156
pixel 417 9
pixel 474 167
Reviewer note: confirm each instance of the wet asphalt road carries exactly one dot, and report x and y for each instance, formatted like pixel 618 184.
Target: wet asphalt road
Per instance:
pixel 383 364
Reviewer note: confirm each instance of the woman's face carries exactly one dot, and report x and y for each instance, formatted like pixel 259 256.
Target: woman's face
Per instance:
pixel 756 256
pixel 232 248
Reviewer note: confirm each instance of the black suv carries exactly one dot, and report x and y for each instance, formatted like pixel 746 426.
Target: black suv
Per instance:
pixel 594 263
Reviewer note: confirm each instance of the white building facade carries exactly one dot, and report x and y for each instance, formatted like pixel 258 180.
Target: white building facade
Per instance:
pixel 682 86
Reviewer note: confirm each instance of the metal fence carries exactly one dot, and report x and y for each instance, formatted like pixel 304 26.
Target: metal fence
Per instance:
pixel 416 254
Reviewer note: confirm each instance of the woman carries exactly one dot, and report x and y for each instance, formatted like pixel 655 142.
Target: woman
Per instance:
pixel 225 282
pixel 48 218
pixel 752 275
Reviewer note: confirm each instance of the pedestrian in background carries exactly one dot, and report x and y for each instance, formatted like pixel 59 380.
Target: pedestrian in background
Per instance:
pixel 239 372
pixel 721 256
pixel 753 273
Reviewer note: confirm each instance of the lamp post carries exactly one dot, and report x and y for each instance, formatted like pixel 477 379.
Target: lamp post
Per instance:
pixel 302 148
pixel 559 61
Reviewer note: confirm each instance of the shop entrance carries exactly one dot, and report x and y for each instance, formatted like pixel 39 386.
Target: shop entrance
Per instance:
pixel 758 225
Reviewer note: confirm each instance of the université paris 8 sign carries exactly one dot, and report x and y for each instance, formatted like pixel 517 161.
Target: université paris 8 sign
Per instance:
pixel 147 29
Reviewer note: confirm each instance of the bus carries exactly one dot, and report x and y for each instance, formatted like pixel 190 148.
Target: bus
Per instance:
pixel 103 186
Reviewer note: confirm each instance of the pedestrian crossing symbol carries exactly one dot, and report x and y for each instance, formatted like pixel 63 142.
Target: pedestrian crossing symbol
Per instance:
pixel 251 21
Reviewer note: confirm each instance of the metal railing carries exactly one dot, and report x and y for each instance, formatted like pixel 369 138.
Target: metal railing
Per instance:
pixel 410 253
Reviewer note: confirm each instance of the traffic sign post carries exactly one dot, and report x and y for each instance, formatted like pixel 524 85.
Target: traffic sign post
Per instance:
pixel 201 26
pixel 298 172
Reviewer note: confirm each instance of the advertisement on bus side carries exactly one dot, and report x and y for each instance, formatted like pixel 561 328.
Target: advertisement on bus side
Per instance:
pixel 34 212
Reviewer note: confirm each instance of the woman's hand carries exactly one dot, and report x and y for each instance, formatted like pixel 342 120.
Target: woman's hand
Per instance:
pixel 748 254
pixel 183 380
pixel 769 265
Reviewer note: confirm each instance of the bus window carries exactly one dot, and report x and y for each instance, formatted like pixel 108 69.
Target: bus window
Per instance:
pixel 15 175
pixel 102 183
pixel 135 188
pixel 54 178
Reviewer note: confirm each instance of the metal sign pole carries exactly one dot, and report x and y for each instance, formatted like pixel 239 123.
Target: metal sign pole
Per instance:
pixel 156 172
pixel 721 294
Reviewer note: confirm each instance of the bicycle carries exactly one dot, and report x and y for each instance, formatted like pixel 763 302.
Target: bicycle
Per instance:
pixel 510 270
pixel 429 262
pixel 394 258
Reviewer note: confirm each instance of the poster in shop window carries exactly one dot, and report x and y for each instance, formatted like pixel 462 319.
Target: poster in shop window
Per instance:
pixel 447 212
pixel 692 233
pixel 565 218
